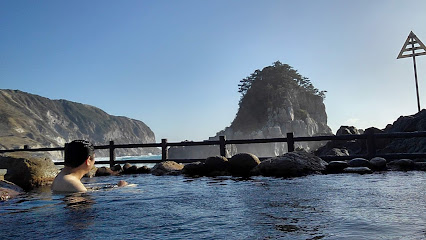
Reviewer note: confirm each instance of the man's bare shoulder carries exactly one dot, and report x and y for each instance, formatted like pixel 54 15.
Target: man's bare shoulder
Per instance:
pixel 67 183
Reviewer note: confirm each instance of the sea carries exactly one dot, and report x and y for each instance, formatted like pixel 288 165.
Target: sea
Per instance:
pixel 386 205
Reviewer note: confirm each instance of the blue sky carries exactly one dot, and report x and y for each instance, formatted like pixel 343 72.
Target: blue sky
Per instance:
pixel 176 65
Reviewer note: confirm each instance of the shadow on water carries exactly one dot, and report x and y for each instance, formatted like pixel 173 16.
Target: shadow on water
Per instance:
pixel 80 214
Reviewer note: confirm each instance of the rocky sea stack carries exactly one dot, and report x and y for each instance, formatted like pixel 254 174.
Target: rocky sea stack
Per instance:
pixel 275 100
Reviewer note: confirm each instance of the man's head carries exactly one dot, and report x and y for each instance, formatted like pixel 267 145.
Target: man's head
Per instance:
pixel 77 152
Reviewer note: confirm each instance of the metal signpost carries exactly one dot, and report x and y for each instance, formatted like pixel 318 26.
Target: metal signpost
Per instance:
pixel 414 47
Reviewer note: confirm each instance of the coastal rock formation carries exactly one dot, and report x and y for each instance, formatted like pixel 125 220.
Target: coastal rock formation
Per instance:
pixel 28 170
pixel 275 101
pixel 27 119
pixel 293 164
pixel 416 122
pixel 412 123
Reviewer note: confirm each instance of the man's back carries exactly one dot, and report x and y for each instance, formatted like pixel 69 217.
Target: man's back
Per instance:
pixel 67 183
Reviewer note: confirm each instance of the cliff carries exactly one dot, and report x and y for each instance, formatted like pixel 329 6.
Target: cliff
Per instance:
pixel 412 123
pixel 27 119
pixel 275 100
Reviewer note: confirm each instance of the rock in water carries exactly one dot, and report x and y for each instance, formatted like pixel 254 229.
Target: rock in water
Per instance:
pixel 358 162
pixel 291 164
pixel 194 169
pixel 104 171
pixel 336 166
pixel 217 163
pixel 401 165
pixel 143 170
pixel 28 170
pixel 167 168
pixel 241 164
pixel 378 163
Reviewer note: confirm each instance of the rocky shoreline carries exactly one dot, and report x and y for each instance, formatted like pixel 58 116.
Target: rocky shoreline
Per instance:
pixel 28 172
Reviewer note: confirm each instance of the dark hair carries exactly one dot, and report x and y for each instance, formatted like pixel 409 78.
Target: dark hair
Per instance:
pixel 77 151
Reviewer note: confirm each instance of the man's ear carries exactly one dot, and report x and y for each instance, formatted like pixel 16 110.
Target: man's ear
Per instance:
pixel 88 161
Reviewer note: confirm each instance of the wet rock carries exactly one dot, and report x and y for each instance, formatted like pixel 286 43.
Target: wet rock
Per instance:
pixel 143 170
pixel 194 169
pixel 167 168
pixel 337 152
pixel 359 170
pixel 28 170
pixel 358 162
pixel 130 169
pixel 378 164
pixel 217 163
pixel 401 165
pixel 336 166
pixel 104 171
pixel 291 164
pixel 9 190
pixel 117 168
pixel 242 163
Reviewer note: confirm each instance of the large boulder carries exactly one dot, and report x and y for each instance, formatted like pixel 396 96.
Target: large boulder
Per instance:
pixel 401 165
pixel 337 152
pixel 291 164
pixel 217 165
pixel 167 168
pixel 378 164
pixel 130 169
pixel 194 169
pixel 358 162
pixel 343 147
pixel 9 190
pixel 28 170
pixel 336 166
pixel 143 170
pixel 104 171
pixel 241 164
pixel 348 130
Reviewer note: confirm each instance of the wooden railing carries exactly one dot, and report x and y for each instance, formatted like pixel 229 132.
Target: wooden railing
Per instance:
pixel 369 136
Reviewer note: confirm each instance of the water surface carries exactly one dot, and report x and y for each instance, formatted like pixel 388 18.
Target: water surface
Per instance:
pixel 388 205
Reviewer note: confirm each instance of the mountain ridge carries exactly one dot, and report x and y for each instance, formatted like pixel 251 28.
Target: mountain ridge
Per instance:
pixel 37 121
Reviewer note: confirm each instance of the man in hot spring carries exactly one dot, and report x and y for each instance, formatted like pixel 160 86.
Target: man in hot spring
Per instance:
pixel 79 160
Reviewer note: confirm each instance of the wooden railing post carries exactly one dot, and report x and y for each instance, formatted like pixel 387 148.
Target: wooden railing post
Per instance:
pixel 290 142
pixel 111 153
pixel 371 143
pixel 222 140
pixel 164 151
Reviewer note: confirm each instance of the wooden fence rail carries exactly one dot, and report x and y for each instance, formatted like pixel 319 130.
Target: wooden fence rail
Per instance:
pixel 369 136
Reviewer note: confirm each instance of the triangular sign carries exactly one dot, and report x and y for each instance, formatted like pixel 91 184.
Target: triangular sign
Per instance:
pixel 413 46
